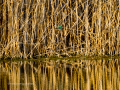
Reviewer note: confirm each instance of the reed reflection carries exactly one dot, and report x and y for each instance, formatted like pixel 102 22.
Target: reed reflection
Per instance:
pixel 60 75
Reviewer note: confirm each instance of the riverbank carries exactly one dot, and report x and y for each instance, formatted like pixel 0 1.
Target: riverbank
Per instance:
pixel 108 57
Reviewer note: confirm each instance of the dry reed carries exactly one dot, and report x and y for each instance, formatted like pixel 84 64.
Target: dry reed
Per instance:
pixel 28 28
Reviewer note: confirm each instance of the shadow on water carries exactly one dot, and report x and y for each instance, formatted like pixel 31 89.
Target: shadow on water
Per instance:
pixel 60 75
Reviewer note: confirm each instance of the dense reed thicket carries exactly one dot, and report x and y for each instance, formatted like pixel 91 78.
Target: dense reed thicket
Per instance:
pixel 28 28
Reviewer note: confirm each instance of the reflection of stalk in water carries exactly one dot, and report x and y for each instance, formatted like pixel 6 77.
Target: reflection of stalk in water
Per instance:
pixel 57 75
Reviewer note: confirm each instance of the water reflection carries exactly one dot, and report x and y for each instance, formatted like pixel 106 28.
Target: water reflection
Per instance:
pixel 60 75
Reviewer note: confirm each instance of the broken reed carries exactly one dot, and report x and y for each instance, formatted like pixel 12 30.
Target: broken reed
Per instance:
pixel 28 28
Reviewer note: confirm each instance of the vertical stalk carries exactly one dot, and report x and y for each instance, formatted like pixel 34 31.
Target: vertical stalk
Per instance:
pixel 99 25
pixel 26 27
pixel 10 25
pixel 32 35
pixel 3 28
pixel 118 31
pixel 96 48
pixel 16 28
pixel 53 32
pixel 12 30
pixel 3 39
pixel 77 27
pixel 109 26
pixel 86 26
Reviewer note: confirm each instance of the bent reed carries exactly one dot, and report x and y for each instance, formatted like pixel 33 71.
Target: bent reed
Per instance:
pixel 28 28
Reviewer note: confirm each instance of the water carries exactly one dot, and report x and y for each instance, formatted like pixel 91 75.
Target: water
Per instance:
pixel 60 75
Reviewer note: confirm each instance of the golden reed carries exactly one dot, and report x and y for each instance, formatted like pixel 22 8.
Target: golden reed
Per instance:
pixel 28 28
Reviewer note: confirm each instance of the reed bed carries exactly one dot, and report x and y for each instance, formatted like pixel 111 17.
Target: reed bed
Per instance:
pixel 28 28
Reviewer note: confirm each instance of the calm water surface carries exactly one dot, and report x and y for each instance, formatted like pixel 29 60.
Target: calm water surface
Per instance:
pixel 60 75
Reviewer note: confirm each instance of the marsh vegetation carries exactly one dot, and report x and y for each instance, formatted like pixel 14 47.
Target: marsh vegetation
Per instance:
pixel 28 28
